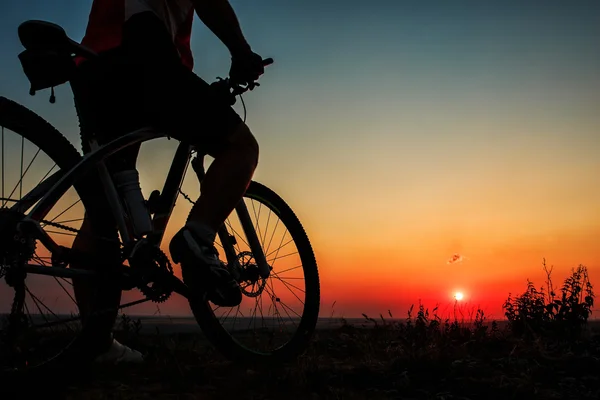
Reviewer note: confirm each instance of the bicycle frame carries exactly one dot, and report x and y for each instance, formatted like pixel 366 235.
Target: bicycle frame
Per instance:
pixel 31 223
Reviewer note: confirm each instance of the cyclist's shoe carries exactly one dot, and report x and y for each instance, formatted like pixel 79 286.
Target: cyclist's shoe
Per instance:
pixel 190 249
pixel 119 353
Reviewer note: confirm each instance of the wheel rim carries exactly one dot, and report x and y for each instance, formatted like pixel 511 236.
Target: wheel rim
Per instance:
pixel 50 315
pixel 271 311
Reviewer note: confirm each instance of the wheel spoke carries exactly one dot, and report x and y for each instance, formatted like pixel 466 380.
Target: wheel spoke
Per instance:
pixel 257 219
pixel 266 230
pixel 283 256
pixel 68 208
pixel 37 302
pixel 291 291
pixel 65 290
pixel 21 182
pixel 280 247
pixel 227 315
pixel 271 239
pixel 236 233
pixel 47 173
pixel 282 281
pixel 274 302
pixel 235 319
pixel 23 174
pixel 289 277
pixel 285 308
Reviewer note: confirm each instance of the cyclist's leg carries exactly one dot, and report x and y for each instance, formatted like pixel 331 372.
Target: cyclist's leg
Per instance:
pixel 101 100
pixel 98 237
pixel 98 240
pixel 181 104
pixel 235 150
pixel 227 178
pixel 94 295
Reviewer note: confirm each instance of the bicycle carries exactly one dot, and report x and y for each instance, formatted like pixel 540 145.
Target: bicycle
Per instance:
pixel 25 224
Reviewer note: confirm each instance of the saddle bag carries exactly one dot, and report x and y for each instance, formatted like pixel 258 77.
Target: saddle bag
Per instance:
pixel 47 68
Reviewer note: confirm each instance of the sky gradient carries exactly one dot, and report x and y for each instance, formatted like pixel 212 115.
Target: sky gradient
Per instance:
pixel 402 133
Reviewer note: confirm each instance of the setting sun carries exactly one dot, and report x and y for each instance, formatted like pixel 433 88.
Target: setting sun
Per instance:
pixel 458 296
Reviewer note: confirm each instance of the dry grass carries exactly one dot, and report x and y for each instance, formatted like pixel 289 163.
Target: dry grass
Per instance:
pixel 384 361
pixel 420 357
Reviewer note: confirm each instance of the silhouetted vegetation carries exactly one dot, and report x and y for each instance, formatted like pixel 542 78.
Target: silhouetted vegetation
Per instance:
pixel 543 312
pixel 546 349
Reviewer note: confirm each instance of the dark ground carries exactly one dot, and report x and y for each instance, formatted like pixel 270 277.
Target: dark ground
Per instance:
pixel 383 362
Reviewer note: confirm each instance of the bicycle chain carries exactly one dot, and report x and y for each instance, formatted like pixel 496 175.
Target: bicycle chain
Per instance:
pixel 57 225
pixel 70 229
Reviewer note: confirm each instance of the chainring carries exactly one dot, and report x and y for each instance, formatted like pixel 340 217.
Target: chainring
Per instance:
pixel 153 268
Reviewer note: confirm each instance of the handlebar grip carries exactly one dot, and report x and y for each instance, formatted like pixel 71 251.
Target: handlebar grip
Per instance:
pixel 267 61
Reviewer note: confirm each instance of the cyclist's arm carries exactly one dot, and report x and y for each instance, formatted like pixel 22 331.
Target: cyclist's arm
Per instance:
pixel 219 17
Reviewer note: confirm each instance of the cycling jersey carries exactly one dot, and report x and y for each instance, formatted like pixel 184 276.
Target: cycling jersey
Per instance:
pixel 105 24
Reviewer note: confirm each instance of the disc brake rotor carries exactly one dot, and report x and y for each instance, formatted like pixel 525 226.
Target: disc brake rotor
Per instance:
pixel 251 283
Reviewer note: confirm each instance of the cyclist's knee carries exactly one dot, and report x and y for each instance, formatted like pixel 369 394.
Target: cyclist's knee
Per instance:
pixel 243 138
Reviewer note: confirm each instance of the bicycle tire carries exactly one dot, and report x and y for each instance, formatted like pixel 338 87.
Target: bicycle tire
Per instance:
pixel 56 146
pixel 299 342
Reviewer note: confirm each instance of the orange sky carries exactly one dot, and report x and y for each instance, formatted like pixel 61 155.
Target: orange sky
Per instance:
pixel 389 249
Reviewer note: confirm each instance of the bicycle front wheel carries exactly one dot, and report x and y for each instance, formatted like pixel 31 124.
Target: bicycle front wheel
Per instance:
pixel 278 315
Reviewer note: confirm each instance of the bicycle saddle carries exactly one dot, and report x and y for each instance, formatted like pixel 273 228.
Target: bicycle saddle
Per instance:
pixel 45 36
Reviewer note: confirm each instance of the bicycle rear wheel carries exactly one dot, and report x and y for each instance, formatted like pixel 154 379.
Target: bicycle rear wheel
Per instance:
pixel 47 327
pixel 277 316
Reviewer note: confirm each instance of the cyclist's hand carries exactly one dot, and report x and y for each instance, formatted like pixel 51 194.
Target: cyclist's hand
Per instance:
pixel 246 68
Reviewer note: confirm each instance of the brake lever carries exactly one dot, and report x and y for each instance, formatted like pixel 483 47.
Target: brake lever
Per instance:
pixel 226 89
pixel 222 88
pixel 243 89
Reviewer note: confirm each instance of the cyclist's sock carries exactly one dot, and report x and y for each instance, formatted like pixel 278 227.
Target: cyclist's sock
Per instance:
pixel 190 248
pixel 220 287
pixel 198 235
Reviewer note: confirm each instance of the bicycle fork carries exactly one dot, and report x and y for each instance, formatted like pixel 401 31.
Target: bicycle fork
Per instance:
pixel 228 240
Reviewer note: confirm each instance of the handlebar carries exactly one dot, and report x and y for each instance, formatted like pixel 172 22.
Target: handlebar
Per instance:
pixel 228 90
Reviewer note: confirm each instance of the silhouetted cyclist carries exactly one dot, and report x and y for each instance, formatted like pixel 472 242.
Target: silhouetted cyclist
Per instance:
pixel 144 77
